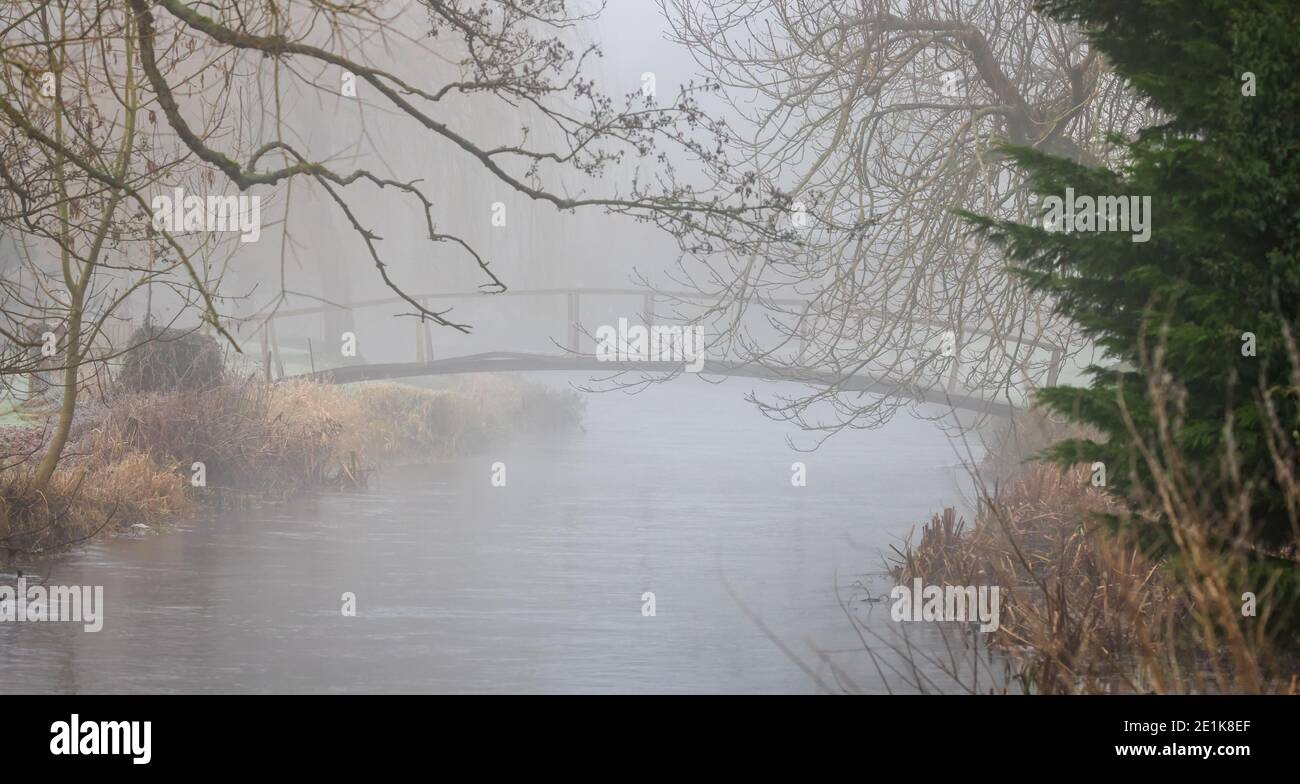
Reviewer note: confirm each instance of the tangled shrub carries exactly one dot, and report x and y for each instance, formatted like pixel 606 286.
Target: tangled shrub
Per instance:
pixel 93 493
pixel 272 440
pixel 171 360
pixel 131 461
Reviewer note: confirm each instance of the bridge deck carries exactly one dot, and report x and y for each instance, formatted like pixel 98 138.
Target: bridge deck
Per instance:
pixel 513 362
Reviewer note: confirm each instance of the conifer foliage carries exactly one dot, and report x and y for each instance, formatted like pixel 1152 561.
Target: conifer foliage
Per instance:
pixel 1208 306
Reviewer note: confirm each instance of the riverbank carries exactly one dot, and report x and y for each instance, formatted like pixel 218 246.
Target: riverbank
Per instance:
pixel 1086 607
pixel 537 586
pixel 144 462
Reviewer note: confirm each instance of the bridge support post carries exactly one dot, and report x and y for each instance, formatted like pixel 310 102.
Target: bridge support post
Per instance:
pixel 956 362
pixel 275 346
pixel 800 334
pixel 1054 372
pixel 574 316
pixel 423 340
pixel 266 355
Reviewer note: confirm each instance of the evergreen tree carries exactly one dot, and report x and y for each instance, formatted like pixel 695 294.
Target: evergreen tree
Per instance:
pixel 1218 276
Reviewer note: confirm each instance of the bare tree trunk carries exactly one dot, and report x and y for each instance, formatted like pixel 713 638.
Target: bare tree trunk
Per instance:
pixel 71 368
pixel 78 280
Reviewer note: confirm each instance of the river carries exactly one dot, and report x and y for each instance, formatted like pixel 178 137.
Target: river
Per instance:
pixel 684 491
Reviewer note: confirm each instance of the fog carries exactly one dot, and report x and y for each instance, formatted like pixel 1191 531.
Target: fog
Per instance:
pixel 580 524
pixel 315 256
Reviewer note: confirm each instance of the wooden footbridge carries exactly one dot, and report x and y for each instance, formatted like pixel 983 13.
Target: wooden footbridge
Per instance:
pixel 569 357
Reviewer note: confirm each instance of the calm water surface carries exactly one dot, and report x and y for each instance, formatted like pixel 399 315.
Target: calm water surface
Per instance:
pixel 683 491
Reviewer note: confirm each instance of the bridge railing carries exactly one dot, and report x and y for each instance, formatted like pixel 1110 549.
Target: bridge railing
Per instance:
pixel 272 356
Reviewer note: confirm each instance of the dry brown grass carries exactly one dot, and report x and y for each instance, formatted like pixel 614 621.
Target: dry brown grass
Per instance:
pixel 280 439
pixel 1076 600
pixel 133 462
pixel 1085 609
pixel 384 421
pixel 257 438
pixel 87 497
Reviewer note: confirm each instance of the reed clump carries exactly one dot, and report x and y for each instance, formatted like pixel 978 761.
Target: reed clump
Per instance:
pixel 154 459
pixel 278 440
pixel 255 437
pixel 90 495
pixel 1088 607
